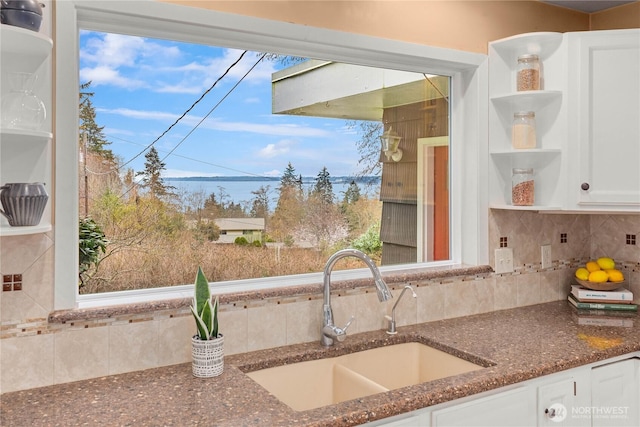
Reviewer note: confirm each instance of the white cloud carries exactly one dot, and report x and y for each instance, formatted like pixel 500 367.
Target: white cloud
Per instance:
pixel 290 130
pixel 103 75
pixel 277 149
pixel 274 172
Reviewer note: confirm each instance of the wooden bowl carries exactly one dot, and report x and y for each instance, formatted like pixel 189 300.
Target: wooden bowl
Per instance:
pixel 601 286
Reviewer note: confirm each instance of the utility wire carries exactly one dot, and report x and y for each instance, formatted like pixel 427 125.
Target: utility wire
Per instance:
pixel 117 169
pixel 205 117
pixel 186 158
pixel 186 112
pixel 216 106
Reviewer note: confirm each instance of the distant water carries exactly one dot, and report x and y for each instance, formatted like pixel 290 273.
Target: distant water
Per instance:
pixel 239 189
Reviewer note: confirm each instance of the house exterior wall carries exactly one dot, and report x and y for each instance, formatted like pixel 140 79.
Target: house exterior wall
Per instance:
pixel 34 352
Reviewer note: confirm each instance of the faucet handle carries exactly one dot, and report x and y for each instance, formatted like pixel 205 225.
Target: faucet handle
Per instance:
pixel 334 332
pixel 351 319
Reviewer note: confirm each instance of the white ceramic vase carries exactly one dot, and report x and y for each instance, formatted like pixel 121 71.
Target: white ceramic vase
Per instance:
pixel 208 356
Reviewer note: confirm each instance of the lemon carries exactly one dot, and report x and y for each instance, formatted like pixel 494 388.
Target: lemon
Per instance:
pixel 592 266
pixel 615 275
pixel 606 263
pixel 582 273
pixel 598 276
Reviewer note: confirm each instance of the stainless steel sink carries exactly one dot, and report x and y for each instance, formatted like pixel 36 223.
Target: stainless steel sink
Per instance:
pixel 316 383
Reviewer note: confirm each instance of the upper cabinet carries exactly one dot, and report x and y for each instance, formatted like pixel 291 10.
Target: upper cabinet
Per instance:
pixel 604 112
pixel 586 109
pixel 25 149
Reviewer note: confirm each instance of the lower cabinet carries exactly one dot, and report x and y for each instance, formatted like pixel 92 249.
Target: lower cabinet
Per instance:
pixel 508 408
pixel 601 394
pixel 615 394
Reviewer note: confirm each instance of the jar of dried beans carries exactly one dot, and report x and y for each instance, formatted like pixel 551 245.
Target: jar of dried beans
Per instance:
pixel 523 130
pixel 522 187
pixel 528 72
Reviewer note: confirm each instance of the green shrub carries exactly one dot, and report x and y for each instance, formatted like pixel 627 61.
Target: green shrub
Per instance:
pixel 92 242
pixel 241 240
pixel 369 242
pixel 256 243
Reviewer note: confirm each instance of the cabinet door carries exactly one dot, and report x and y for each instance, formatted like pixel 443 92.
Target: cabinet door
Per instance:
pixel 510 409
pixel 615 394
pixel 603 126
pixel 557 402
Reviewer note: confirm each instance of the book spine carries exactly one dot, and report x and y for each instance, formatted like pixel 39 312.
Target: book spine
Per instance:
pixel 599 295
pixel 602 295
pixel 604 306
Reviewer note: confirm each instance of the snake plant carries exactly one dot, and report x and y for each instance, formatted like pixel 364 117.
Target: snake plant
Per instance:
pixel 204 312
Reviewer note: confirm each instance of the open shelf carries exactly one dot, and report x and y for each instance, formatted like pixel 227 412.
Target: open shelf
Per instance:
pixel 7 230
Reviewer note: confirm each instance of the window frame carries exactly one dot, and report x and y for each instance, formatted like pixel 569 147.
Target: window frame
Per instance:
pixel 149 18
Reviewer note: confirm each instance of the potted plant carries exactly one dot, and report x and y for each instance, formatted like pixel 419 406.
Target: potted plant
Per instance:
pixel 207 345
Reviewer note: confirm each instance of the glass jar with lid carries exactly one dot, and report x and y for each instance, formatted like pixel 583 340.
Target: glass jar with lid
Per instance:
pixel 522 187
pixel 528 72
pixel 523 130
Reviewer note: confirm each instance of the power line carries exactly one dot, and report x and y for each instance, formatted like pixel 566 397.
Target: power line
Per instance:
pixel 215 106
pixel 206 116
pixel 187 111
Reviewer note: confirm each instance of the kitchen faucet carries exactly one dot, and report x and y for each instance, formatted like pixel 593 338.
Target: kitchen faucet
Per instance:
pixel 392 318
pixel 330 332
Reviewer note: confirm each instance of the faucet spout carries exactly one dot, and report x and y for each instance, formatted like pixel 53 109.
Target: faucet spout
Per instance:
pixel 329 330
pixel 392 319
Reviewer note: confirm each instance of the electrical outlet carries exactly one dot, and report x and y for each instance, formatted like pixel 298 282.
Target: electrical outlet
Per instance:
pixel 503 260
pixel 545 255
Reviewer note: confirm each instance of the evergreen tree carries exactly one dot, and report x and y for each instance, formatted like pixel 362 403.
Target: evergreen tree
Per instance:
pixel 152 175
pixel 96 140
pixel 288 212
pixel 323 188
pixel 289 180
pixel 351 194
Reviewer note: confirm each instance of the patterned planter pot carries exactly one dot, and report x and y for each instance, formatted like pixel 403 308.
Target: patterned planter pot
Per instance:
pixel 208 357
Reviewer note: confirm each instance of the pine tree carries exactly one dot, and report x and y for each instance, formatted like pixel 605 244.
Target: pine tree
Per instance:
pixel 323 188
pixel 95 138
pixel 351 194
pixel 289 180
pixel 152 175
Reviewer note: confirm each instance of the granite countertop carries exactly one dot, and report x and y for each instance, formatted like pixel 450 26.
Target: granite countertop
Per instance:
pixel 515 345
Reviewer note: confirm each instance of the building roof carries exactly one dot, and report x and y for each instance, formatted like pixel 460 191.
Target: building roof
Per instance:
pixel 225 224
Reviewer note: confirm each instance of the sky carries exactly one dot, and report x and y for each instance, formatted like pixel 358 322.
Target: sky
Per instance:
pixel 144 85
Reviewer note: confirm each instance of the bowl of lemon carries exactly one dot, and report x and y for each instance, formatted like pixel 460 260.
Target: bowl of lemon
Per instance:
pixel 600 275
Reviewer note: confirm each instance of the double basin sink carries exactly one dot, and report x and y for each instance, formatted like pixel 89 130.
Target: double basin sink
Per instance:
pixel 316 383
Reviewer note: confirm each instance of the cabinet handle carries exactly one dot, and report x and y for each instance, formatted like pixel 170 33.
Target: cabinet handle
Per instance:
pixel 550 412
pixel 584 186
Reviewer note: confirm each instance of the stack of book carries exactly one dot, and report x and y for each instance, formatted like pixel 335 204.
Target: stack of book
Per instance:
pixel 603 308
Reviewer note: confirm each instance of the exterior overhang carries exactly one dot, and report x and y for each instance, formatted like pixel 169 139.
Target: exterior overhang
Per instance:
pixel 351 92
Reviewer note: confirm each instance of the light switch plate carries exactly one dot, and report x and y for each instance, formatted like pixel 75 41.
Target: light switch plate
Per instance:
pixel 503 260
pixel 545 256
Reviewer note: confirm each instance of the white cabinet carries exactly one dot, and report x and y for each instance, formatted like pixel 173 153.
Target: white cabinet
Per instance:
pixel 604 106
pixel 25 155
pixel 588 132
pixel 508 408
pixel 615 394
pixel 604 393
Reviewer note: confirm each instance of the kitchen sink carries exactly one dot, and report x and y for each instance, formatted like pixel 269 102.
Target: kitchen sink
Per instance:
pixel 316 383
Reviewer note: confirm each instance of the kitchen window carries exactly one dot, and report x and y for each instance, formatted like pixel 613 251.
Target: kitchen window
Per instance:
pixel 164 21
